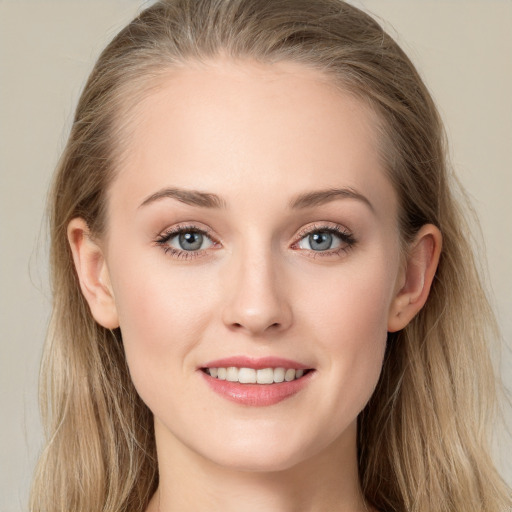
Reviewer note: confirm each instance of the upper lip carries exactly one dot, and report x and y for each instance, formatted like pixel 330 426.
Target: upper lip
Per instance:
pixel 256 363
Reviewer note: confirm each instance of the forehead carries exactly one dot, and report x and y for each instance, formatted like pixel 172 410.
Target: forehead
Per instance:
pixel 228 126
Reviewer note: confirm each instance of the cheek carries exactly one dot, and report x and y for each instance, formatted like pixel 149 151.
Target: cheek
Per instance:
pixel 352 303
pixel 349 317
pixel 161 316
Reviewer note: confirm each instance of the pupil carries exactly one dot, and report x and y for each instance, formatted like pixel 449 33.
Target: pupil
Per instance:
pixel 320 241
pixel 191 241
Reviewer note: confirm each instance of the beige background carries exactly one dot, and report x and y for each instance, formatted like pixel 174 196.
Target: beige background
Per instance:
pixel 463 48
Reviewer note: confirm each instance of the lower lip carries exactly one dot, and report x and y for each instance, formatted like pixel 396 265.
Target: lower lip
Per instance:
pixel 257 395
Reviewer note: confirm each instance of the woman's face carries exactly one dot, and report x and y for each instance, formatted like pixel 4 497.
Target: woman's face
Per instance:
pixel 252 225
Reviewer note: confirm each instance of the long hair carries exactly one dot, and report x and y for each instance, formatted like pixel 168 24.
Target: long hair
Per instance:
pixel 423 437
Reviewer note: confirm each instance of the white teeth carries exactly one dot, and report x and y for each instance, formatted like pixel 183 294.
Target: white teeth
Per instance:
pixel 247 375
pixel 232 374
pixel 279 374
pixel 252 376
pixel 289 375
pixel 265 376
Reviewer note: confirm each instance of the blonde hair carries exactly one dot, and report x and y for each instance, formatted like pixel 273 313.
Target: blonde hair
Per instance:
pixel 423 436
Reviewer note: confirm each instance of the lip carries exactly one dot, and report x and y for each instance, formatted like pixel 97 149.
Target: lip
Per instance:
pixel 256 395
pixel 256 363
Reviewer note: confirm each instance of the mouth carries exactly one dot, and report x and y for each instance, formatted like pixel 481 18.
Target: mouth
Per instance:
pixel 245 375
pixel 256 382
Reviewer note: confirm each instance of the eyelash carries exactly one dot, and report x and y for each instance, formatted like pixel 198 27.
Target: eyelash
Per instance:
pixel 347 239
pixel 163 239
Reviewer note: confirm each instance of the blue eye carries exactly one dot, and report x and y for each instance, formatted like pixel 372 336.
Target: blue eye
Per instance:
pixel 190 241
pixel 320 241
pixel 182 240
pixel 326 239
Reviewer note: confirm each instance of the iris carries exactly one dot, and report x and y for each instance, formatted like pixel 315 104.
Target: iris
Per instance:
pixel 320 241
pixel 190 241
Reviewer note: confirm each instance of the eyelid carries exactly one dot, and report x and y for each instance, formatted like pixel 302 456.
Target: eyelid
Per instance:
pixel 344 234
pixel 322 226
pixel 167 234
pixel 339 230
pixel 184 227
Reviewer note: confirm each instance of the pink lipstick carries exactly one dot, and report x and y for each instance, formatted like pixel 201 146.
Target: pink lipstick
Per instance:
pixel 256 382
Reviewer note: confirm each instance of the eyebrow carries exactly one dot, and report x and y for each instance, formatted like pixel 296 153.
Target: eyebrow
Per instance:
pixel 208 200
pixel 320 197
pixel 191 197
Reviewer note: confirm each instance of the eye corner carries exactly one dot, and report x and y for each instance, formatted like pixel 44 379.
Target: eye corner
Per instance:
pixel 164 238
pixel 345 239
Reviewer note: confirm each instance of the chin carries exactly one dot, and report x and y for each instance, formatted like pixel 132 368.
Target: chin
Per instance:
pixel 259 462
pixel 263 454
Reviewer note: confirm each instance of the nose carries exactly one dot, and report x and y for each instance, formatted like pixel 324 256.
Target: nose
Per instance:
pixel 257 302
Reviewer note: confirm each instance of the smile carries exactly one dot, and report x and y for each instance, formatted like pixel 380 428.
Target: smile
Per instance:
pixel 253 376
pixel 256 382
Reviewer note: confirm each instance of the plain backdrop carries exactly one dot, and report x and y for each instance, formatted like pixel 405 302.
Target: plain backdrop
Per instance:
pixel 463 49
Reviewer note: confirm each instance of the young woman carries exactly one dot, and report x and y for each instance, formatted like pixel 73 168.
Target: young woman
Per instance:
pixel 264 292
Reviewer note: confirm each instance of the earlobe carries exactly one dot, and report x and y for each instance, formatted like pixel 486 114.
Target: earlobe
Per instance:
pixel 93 274
pixel 419 272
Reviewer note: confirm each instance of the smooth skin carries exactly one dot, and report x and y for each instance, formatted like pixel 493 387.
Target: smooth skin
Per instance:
pixel 265 142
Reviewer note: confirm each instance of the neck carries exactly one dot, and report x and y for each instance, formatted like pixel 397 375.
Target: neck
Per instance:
pixel 327 481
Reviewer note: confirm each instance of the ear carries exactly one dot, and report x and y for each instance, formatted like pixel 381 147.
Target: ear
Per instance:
pixel 93 274
pixel 416 277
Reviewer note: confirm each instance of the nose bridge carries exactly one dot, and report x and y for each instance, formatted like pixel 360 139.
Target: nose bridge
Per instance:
pixel 256 299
